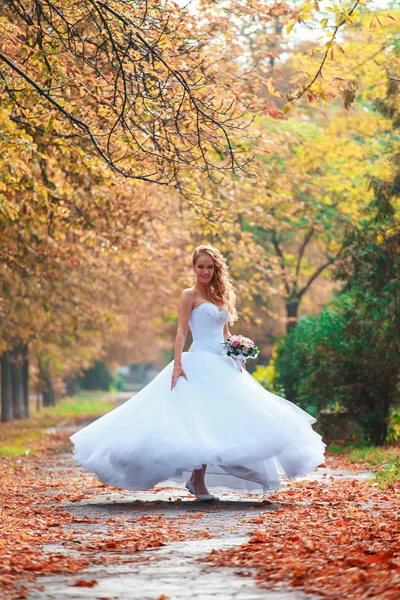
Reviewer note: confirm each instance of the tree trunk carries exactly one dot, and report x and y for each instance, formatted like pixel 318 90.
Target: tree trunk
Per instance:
pixel 6 393
pixel 72 386
pixel 378 425
pixel 378 430
pixel 17 384
pixel 292 311
pixel 25 378
pixel 49 398
pixel 37 401
pixel 46 384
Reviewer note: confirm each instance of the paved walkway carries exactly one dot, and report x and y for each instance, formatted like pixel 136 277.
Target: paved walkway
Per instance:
pixel 172 572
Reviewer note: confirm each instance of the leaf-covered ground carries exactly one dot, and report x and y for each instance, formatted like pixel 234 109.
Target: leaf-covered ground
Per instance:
pixel 336 538
pixel 34 519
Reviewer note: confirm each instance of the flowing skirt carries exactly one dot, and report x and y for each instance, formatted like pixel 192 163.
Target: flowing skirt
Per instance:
pixel 248 437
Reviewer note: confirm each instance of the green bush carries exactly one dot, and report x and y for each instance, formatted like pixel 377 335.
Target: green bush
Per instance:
pixel 348 357
pixel 393 434
pixel 345 358
pixel 100 377
pixel 389 473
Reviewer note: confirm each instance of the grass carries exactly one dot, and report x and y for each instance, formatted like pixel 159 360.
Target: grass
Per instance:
pixel 85 403
pixel 17 442
pixel 389 473
pixel 20 437
pixel 17 439
pixel 373 455
pixel 384 461
pixel 366 453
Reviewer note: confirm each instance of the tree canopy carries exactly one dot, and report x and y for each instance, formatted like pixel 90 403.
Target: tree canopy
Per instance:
pixel 103 101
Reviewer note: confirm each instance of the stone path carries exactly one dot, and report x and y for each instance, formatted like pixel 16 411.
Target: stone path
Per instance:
pixel 172 572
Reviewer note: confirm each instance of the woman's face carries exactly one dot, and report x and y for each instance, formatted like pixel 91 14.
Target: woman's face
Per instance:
pixel 204 268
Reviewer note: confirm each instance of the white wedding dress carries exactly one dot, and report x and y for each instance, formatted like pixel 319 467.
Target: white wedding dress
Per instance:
pixel 220 416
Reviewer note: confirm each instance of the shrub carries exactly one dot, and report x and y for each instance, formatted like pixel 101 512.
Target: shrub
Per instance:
pixel 98 377
pixel 267 375
pixel 344 359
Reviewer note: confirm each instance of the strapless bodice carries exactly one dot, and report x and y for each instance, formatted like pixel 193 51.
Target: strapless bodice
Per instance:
pixel 206 323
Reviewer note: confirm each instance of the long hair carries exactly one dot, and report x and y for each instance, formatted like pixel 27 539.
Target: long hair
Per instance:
pixel 221 289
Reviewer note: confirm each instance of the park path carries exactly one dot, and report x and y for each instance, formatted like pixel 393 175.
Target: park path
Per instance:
pixel 172 571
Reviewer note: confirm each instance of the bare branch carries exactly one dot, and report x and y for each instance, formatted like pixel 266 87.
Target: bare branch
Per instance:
pixel 306 241
pixel 315 275
pixel 127 78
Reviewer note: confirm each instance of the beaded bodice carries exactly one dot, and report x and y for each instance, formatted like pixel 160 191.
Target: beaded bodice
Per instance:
pixel 206 323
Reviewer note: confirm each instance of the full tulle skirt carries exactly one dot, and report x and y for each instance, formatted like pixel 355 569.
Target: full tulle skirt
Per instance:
pixel 249 438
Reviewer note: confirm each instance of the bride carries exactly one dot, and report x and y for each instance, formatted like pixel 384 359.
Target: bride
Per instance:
pixel 201 413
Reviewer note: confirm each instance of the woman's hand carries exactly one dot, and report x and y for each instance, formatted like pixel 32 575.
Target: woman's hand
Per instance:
pixel 243 364
pixel 176 373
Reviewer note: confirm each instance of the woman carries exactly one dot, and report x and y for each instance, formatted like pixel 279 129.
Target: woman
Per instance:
pixel 200 412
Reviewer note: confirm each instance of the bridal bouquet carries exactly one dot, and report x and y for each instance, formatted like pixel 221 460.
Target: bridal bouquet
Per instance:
pixel 241 348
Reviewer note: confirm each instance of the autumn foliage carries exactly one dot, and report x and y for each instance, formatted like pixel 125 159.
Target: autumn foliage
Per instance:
pixel 28 529
pixel 103 101
pixel 332 539
pixel 328 537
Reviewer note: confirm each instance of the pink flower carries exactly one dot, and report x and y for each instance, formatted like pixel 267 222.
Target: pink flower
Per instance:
pixel 248 343
pixel 241 343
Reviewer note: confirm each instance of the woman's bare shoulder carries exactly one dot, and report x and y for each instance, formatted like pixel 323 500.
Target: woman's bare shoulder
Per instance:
pixel 189 293
pixel 188 296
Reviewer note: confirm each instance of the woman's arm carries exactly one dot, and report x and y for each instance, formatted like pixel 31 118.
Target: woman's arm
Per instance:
pixel 184 310
pixel 227 333
pixel 185 307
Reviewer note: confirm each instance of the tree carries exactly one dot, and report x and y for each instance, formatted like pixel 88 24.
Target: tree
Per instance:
pixel 130 78
pixel 85 253
pixel 258 32
pixel 284 230
pixel 350 354
pixel 73 238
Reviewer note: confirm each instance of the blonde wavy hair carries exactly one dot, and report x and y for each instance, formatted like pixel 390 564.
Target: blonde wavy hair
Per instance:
pixel 221 289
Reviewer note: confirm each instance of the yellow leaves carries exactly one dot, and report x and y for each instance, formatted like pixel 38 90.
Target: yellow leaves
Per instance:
pixel 361 53
pixel 271 89
pixel 376 21
pixel 290 25
pixel 330 47
pixel 50 124
pixel 287 108
pixel 348 89
pixel 324 22
pixel 307 6
pixel 270 86
pixel 8 210
pixel 339 47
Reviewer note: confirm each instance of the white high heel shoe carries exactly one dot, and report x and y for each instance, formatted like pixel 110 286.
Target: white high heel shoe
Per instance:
pixel 201 497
